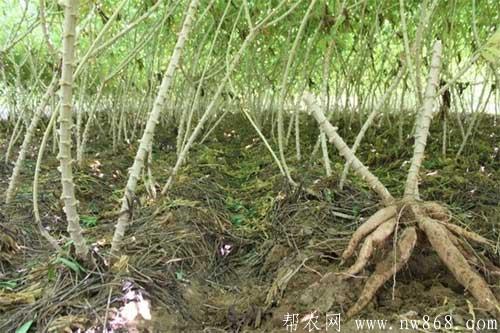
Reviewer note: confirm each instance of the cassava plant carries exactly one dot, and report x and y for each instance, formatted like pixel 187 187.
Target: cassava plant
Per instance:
pixel 66 126
pixel 262 24
pixel 410 218
pixel 30 132
pixel 147 137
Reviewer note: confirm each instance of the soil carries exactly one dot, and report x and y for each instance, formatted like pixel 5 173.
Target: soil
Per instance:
pixel 233 248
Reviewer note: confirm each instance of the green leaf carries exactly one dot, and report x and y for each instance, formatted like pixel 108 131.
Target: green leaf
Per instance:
pixel 237 219
pixel 491 51
pixel 51 273
pixel 8 284
pixel 89 221
pixel 68 244
pixel 234 205
pixel 71 264
pixel 24 327
pixel 179 275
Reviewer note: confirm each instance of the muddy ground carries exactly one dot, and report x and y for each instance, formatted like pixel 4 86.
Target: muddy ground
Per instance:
pixel 233 248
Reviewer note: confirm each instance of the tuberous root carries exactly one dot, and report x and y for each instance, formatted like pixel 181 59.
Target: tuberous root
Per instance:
pixel 377 237
pixel 385 269
pixel 366 228
pixel 447 239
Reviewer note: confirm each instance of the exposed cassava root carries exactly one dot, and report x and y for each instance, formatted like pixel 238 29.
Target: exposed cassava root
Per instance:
pixel 371 224
pixel 436 211
pixel 385 269
pixel 459 231
pixel 453 259
pixel 478 260
pixel 442 215
pixel 377 237
pixel 443 237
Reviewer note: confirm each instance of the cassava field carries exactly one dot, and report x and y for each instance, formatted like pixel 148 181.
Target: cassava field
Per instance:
pixel 249 166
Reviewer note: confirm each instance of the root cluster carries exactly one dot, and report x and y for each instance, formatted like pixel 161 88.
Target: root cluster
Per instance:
pixel 406 222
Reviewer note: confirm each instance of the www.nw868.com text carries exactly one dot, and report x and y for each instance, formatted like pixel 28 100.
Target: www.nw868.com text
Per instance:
pixel 332 322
